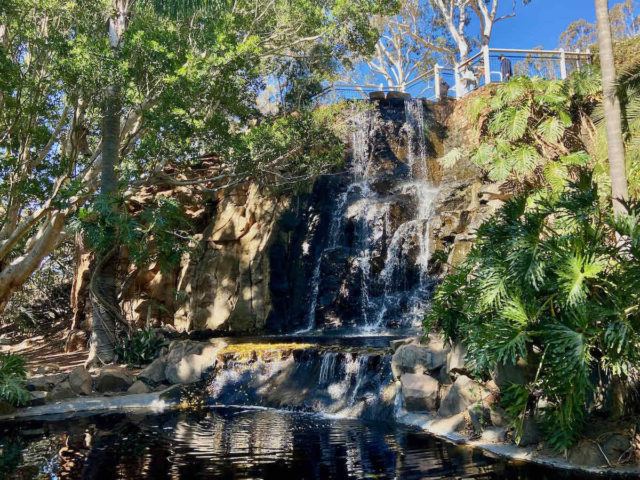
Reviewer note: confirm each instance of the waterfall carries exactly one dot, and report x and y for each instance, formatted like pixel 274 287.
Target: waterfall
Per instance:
pixel 327 367
pixel 385 280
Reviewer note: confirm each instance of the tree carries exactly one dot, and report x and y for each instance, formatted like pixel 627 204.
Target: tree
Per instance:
pixel 410 42
pixel 612 111
pixel 186 88
pixel 456 15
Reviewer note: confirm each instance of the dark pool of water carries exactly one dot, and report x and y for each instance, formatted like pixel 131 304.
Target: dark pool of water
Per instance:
pixel 231 443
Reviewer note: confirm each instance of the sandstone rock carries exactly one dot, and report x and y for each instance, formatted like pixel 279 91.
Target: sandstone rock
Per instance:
pixel 494 435
pixel 80 381
pixel 139 387
pixel 418 358
pixel 187 361
pixel 456 358
pixel 38 398
pixel 464 393
pixel 154 372
pixel 47 369
pixel 113 379
pixel 396 344
pixel 76 340
pixel 615 446
pixel 479 416
pixel 419 392
pixel 587 454
pixel 62 391
pixel 44 383
pixel 499 416
pixel 504 374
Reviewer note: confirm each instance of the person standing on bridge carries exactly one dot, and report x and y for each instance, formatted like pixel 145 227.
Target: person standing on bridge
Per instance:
pixel 505 68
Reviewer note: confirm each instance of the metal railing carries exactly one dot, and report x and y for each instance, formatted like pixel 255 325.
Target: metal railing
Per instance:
pixel 478 70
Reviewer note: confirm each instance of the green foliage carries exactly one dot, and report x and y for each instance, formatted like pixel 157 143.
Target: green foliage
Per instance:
pixel 553 278
pixel 159 233
pixel 530 128
pixel 12 378
pixel 141 347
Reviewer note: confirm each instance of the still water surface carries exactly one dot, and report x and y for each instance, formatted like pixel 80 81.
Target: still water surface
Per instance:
pixel 232 443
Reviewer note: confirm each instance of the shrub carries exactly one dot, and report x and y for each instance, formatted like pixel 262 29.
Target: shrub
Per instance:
pixel 141 347
pixel 12 379
pixel 553 277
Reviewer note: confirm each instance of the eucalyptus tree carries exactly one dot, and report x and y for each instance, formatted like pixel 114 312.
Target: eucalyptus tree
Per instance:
pixel 458 14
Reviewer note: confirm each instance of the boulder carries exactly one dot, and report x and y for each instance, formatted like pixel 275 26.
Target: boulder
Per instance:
pixel 38 398
pixel 44 383
pixel 494 435
pixel 114 379
pixel 139 387
pixel 419 392
pixel 499 416
pixel 530 432
pixel 396 344
pixel 419 358
pixel 505 374
pixel 186 363
pixel 456 358
pixel 587 454
pixel 62 391
pixel 464 393
pixel 154 372
pixel 80 381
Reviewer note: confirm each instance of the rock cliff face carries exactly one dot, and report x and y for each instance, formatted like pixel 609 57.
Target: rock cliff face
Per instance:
pixel 352 252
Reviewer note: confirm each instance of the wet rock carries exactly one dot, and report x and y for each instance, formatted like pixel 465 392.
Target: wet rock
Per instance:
pixel 494 435
pixel 154 372
pixel 419 392
pixel 464 393
pixel 479 416
pixel 113 379
pixel 62 391
pixel 80 381
pixel 139 387
pixel 418 358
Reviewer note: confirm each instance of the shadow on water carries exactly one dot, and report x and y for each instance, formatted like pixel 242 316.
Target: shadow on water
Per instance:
pixel 232 443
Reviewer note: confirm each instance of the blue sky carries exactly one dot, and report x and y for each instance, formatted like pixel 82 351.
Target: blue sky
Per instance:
pixel 540 22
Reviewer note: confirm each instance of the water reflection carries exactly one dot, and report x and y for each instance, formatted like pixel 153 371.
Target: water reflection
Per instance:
pixel 227 443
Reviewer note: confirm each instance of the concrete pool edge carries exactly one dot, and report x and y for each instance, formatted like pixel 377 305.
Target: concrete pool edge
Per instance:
pixel 508 451
pixel 155 402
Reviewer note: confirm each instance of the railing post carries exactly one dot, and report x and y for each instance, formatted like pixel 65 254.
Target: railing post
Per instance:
pixel 436 79
pixel 456 74
pixel 487 66
pixel 563 64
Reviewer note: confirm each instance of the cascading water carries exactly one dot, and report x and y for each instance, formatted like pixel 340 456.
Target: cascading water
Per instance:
pixel 384 282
